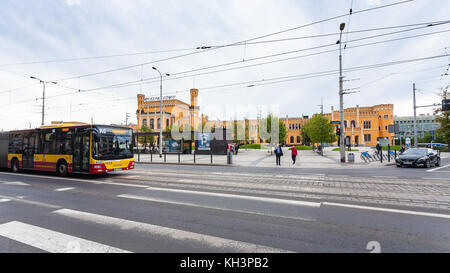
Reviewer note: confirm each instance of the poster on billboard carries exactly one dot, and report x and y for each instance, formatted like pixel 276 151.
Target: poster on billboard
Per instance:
pixel 172 146
pixel 204 142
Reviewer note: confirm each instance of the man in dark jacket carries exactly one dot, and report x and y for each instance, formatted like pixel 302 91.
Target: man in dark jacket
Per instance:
pixel 278 154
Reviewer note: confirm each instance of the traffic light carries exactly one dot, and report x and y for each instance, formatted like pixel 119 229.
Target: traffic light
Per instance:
pixel 338 131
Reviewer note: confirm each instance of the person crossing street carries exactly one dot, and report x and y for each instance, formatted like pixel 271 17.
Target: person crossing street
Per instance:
pixel 278 154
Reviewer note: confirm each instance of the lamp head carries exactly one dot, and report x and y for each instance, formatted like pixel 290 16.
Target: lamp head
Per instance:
pixel 342 26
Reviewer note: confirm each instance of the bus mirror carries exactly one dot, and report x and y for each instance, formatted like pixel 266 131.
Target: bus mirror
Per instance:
pixel 96 136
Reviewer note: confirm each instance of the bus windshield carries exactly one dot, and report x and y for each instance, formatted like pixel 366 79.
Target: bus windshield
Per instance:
pixel 113 143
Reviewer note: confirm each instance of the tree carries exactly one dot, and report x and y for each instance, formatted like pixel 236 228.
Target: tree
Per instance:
pixel 266 124
pixel 444 119
pixel 306 140
pixel 319 130
pixel 146 139
pixel 426 138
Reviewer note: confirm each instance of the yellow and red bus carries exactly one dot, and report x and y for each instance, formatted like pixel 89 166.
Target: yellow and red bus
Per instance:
pixel 68 148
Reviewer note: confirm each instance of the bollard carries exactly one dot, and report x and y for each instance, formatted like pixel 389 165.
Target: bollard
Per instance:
pixel 389 153
pixel 381 155
pixel 178 158
pixel 151 156
pixel 165 157
pixel 211 157
pixel 194 157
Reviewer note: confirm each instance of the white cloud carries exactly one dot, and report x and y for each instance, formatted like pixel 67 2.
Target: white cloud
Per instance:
pixel 73 2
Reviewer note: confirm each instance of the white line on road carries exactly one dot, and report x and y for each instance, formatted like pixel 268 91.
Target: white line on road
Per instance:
pixel 437 215
pixel 77 180
pixel 384 176
pixel 170 233
pixel 16 183
pixel 435 169
pixel 3 200
pixel 65 189
pixel 253 198
pixel 52 241
pixel 158 200
pixel 34 203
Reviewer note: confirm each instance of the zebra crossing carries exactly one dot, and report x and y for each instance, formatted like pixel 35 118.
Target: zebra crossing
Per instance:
pixel 57 241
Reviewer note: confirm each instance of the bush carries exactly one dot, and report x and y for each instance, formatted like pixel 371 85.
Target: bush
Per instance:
pixel 251 146
pixel 303 148
pixel 393 148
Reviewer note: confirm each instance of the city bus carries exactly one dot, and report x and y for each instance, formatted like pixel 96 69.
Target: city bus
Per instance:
pixel 68 148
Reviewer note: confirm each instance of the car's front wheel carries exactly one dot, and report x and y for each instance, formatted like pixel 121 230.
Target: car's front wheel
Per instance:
pixel 428 163
pixel 438 162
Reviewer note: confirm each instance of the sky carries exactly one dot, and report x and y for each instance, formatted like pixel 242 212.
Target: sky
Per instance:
pixel 69 40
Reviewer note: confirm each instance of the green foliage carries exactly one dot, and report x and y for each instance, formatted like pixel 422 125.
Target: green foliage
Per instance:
pixel 251 146
pixel 303 148
pixel 319 130
pixel 444 119
pixel 266 124
pixel 146 139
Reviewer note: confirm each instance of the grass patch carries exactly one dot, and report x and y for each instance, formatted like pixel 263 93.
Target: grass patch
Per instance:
pixel 352 150
pixel 304 148
pixel 393 148
pixel 252 146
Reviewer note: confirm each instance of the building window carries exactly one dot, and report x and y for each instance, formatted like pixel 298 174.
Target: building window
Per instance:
pixel 152 124
pixel 167 123
pixel 345 124
pixel 353 124
pixel 367 124
pixel 292 139
pixel 367 137
pixel 290 126
pixel 159 123
pixel 298 139
pixel 386 116
pixel 144 122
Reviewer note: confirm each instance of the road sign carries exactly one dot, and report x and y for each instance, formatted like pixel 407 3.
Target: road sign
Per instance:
pixel 335 122
pixel 384 142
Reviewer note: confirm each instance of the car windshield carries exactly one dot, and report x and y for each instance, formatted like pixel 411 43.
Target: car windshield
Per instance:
pixel 419 152
pixel 113 144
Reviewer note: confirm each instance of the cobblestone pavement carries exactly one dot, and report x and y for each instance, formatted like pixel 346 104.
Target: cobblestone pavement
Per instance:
pixel 426 193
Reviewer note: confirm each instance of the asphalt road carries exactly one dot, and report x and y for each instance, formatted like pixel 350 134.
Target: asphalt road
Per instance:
pixel 159 208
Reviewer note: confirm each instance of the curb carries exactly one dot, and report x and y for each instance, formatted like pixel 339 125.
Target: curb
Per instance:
pixel 184 164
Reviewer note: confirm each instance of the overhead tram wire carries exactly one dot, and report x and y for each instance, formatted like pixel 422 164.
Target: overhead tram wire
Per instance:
pixel 153 79
pixel 206 49
pixel 79 91
pixel 314 74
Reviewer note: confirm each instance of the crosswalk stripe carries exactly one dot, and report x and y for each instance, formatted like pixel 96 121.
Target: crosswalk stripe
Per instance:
pixel 64 189
pixel 52 241
pixel 170 233
pixel 158 200
pixel 253 198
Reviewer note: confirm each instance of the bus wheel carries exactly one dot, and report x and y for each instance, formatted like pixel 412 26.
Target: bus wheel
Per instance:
pixel 15 166
pixel 62 169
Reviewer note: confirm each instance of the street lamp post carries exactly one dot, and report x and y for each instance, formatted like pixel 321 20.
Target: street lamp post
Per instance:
pixel 341 98
pixel 160 110
pixel 44 83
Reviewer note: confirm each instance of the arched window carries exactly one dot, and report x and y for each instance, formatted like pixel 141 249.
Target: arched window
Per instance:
pixel 353 124
pixel 292 139
pixel 298 139
pixel 159 123
pixel 167 123
pixel 144 122
pixel 152 124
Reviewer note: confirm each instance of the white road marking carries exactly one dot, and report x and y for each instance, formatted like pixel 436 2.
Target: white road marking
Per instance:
pixel 52 241
pixel 253 198
pixel 78 180
pixel 16 183
pixel 381 176
pixel 65 189
pixel 151 199
pixel 435 169
pixel 169 233
pixel 21 199
pixel 3 200
pixel 419 213
pixel 437 178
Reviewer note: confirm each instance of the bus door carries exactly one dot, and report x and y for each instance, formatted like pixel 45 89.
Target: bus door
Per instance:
pixel 29 149
pixel 81 152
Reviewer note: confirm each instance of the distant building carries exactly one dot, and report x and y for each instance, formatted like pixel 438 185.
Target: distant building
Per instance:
pixel 425 124
pixel 366 125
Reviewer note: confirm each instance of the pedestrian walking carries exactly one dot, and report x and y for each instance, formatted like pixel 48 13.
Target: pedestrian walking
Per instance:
pixel 278 154
pixel 379 148
pixel 402 149
pixel 294 153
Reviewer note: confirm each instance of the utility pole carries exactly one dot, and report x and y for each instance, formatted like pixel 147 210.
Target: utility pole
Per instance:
pixel 44 83
pixel 126 118
pixel 415 117
pixel 160 111
pixel 341 98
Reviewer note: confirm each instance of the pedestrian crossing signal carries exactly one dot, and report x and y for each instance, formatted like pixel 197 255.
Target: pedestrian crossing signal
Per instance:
pixel 338 132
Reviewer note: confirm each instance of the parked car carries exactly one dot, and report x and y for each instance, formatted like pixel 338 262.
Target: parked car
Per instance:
pixel 418 157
